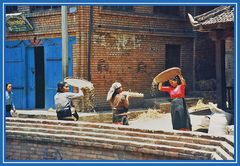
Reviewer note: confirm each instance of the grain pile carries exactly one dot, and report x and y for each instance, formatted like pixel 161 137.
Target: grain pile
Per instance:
pixel 152 119
pixel 199 106
pixel 149 115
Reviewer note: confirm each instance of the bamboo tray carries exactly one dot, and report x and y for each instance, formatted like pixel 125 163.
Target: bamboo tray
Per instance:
pixel 167 74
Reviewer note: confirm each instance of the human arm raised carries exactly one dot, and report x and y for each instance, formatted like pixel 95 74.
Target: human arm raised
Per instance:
pixel 183 82
pixel 160 86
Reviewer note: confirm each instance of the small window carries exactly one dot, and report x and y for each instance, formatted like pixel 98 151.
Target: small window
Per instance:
pixel 119 8
pixel 11 9
pixel 43 8
pixel 166 10
pixel 173 53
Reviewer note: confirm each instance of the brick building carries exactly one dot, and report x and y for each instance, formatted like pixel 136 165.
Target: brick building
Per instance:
pixel 129 44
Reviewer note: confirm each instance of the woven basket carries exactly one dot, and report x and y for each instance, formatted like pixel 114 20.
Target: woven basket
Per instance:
pixel 133 94
pixel 167 74
pixel 80 83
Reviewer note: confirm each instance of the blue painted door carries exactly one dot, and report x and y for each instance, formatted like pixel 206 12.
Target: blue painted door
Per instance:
pixel 53 67
pixel 19 58
pixel 53 72
pixel 15 71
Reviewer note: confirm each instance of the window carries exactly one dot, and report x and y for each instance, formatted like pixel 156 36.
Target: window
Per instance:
pixel 11 9
pixel 172 55
pixel 119 8
pixel 41 8
pixel 167 10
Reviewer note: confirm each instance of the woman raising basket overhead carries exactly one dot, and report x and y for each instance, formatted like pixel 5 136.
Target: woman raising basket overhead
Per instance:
pixel 179 112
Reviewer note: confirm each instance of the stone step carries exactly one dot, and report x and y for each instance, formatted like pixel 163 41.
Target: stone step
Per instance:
pixel 118 127
pixel 105 131
pixel 223 154
pixel 163 136
pixel 114 136
pixel 194 136
pixel 112 144
pixel 227 148
pixel 215 156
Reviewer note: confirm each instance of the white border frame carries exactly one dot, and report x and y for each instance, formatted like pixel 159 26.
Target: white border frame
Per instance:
pixel 141 3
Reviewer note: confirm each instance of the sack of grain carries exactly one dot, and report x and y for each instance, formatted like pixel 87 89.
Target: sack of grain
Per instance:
pixel 215 109
pixel 217 125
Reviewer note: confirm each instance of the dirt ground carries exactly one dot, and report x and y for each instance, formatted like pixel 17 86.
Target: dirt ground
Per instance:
pixel 162 122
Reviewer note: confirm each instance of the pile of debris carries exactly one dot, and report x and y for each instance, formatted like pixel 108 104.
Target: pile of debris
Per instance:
pixel 215 120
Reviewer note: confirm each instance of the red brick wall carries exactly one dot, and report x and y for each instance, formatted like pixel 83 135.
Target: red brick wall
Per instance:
pixel 46 150
pixel 130 48
pixel 125 47
pixel 125 65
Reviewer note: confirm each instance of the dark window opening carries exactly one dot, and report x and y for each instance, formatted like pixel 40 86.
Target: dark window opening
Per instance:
pixel 11 9
pixel 43 8
pixel 119 8
pixel 39 77
pixel 172 55
pixel 167 10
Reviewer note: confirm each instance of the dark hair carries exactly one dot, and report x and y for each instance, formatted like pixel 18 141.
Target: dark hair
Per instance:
pixel 60 86
pixel 115 92
pixel 8 83
pixel 176 78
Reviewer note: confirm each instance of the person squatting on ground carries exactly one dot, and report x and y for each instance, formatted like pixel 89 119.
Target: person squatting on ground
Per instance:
pixel 119 104
pixel 9 100
pixel 63 102
pixel 179 113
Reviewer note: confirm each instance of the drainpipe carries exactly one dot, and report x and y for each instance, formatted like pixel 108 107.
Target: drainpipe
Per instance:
pixel 82 42
pixel 64 42
pixel 90 41
pixel 194 53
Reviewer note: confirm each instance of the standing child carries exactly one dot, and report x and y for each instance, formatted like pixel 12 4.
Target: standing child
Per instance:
pixel 9 100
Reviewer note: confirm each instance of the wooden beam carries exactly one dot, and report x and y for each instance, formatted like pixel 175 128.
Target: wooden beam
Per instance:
pixel 219 38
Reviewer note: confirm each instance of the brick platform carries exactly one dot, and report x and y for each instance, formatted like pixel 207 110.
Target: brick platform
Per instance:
pixel 38 139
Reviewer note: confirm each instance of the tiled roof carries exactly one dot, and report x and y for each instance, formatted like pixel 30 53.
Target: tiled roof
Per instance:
pixel 219 15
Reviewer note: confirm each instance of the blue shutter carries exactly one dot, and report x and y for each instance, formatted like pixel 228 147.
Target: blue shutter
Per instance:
pixel 15 71
pixel 53 72
pixel 53 67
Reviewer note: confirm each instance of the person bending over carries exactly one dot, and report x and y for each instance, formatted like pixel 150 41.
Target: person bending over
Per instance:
pixel 63 102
